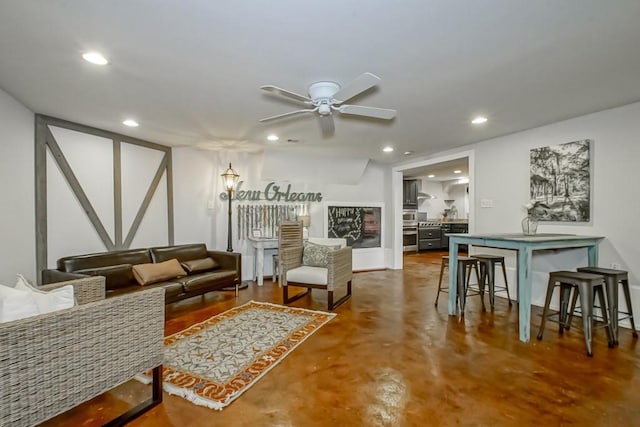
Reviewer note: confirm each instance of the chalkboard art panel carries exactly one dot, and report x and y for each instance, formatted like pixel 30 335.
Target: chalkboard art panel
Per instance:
pixel 361 226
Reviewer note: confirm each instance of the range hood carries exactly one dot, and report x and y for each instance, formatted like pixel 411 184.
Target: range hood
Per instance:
pixel 421 195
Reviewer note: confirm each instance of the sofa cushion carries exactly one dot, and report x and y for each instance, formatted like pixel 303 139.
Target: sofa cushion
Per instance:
pixel 16 304
pixel 308 274
pixel 199 265
pixel 146 274
pixel 48 301
pixel 210 279
pixel 172 289
pixel 180 252
pixel 116 276
pixel 316 255
pixel 103 259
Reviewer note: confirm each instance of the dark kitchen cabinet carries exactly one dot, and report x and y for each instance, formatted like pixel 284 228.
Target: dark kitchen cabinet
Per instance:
pixel 453 228
pixel 410 194
pixel 444 239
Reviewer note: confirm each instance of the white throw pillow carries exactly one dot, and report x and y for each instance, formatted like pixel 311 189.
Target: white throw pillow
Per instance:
pixel 53 300
pixel 16 304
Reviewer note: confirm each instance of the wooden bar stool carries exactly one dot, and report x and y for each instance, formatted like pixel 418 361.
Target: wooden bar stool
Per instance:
pixel 612 279
pixel 585 284
pixel 465 265
pixel 488 275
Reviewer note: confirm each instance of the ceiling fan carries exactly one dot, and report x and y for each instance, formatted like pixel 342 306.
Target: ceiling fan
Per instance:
pixel 325 97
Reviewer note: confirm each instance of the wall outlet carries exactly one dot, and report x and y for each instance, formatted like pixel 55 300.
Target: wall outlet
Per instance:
pixel 615 265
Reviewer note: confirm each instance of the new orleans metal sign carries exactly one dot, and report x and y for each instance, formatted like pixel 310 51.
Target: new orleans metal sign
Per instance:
pixel 273 193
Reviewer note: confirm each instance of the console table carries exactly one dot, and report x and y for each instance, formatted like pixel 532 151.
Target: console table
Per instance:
pixel 524 245
pixel 259 245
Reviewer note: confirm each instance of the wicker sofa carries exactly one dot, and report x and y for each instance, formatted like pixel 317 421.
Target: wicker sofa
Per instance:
pixel 52 362
pixel 116 267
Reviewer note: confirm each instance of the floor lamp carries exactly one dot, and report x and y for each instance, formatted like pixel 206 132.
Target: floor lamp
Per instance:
pixel 229 179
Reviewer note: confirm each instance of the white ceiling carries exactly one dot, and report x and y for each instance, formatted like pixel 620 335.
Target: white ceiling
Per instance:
pixel 190 71
pixel 443 171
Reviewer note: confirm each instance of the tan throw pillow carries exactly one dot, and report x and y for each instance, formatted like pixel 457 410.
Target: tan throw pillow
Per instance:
pixel 198 265
pixel 146 274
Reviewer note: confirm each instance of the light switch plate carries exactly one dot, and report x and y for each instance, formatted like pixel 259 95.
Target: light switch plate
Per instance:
pixel 486 203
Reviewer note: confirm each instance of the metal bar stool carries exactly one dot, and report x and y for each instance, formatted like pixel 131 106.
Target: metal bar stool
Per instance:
pixel 612 279
pixel 465 265
pixel 587 285
pixel 488 275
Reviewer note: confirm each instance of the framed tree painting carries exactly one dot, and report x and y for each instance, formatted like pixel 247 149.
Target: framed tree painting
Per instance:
pixel 560 177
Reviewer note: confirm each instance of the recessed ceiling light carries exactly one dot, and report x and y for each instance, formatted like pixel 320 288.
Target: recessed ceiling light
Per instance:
pixel 431 176
pixel 457 171
pixel 479 120
pixel 463 181
pixel 131 123
pixel 387 149
pixel 95 58
pixel 408 153
pixel 273 137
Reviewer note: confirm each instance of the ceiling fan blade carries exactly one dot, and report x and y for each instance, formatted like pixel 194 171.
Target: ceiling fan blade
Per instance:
pixel 291 113
pixel 360 84
pixel 358 110
pixel 327 125
pixel 287 93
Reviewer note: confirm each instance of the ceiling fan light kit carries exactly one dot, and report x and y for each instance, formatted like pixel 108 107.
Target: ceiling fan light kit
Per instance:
pixel 327 96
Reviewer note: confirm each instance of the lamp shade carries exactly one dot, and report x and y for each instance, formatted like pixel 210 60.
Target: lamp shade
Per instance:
pixel 230 179
pixel 306 220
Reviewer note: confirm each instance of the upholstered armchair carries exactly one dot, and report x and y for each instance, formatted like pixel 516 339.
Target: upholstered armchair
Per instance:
pixel 334 274
pixel 51 362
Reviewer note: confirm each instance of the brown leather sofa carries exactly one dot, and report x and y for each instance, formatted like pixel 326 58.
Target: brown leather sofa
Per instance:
pixel 117 268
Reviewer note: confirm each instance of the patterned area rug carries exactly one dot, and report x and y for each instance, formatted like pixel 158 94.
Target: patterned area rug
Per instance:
pixel 213 362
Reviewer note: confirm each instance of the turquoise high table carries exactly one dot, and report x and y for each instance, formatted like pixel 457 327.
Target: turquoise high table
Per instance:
pixel 524 245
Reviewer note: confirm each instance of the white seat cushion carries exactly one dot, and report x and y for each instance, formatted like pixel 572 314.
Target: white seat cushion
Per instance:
pixel 308 274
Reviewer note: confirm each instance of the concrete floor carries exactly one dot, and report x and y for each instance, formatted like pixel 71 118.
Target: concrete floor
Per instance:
pixel 390 358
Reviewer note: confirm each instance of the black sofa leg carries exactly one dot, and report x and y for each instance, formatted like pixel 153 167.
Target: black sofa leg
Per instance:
pixel 156 399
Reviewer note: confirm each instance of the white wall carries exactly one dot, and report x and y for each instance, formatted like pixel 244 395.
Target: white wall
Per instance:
pixel 433 207
pixel 443 191
pixel 91 159
pixel 200 214
pixel 458 193
pixel 17 217
pixel 502 175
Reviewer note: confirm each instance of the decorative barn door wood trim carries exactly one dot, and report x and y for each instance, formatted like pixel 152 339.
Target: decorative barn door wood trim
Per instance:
pixel 45 140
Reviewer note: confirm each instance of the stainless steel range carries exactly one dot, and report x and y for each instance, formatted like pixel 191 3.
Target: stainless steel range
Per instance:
pixel 429 223
pixel 429 234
